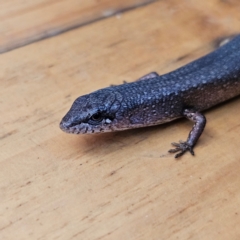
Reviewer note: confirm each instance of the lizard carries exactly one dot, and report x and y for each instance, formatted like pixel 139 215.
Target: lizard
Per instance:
pixel 157 99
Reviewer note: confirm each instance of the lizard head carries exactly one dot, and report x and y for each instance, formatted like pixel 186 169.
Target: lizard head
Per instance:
pixel 93 113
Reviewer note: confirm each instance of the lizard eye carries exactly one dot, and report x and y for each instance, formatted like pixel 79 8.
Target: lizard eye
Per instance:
pixel 96 118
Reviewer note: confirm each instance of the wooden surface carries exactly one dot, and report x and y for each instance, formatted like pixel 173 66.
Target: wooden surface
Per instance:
pixel 23 22
pixel 121 185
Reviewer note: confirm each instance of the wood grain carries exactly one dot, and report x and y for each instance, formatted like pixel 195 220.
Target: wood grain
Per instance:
pixel 121 185
pixel 23 22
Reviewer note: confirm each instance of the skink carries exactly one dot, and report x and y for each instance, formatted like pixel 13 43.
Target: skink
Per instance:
pixel 155 99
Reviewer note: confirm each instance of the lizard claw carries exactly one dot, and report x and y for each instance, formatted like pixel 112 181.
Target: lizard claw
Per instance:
pixel 181 147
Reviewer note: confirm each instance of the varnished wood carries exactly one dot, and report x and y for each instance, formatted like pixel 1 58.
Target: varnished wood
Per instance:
pixel 24 22
pixel 119 185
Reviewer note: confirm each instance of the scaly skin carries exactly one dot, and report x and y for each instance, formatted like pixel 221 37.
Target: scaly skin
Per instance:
pixel 156 99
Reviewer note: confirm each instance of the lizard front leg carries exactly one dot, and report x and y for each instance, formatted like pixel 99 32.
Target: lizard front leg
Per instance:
pixel 198 127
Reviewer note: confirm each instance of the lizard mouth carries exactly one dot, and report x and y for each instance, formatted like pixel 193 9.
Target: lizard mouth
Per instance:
pixel 69 124
pixel 75 127
pixel 67 127
pixel 64 127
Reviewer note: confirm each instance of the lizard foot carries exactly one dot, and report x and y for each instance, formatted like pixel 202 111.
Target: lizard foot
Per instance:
pixel 181 147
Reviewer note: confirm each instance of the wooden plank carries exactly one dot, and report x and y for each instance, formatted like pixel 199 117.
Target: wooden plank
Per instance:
pixel 24 22
pixel 118 185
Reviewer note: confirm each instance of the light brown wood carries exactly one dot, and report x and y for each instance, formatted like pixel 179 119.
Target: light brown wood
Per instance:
pixel 23 22
pixel 121 185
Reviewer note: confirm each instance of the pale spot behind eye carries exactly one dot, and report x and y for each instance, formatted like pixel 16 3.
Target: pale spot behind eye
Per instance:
pixel 108 120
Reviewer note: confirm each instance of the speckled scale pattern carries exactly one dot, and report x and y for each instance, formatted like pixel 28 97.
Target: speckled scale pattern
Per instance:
pixel 200 85
pixel 156 99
